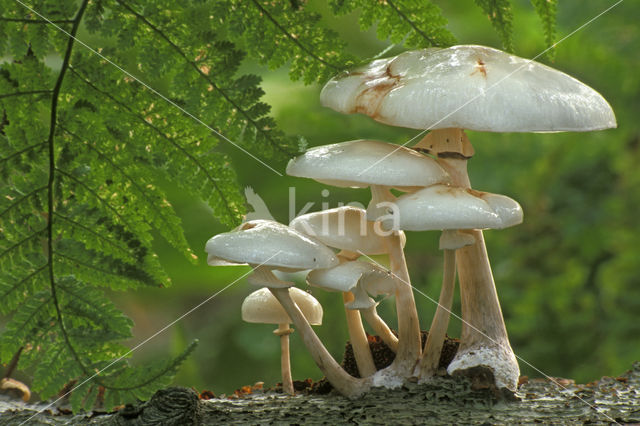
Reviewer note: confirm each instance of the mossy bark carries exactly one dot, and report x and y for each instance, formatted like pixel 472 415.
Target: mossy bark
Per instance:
pixel 445 401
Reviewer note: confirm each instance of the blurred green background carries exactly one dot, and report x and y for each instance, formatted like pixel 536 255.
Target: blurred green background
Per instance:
pixel 568 277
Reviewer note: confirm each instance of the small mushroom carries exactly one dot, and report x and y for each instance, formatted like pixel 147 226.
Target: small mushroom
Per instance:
pixel 361 279
pixel 262 307
pixel 482 89
pixel 15 387
pixel 451 209
pixel 355 164
pixel 347 229
pixel 268 245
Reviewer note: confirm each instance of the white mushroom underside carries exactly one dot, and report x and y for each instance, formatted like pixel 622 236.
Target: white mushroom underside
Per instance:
pixel 448 207
pixel 345 228
pixel 271 244
pixel 365 162
pixel 361 278
pixel 471 87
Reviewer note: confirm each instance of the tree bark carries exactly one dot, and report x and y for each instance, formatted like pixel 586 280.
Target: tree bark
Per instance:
pixel 444 401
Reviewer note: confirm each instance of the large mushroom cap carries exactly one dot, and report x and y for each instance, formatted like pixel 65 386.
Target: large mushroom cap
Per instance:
pixel 262 307
pixel 271 244
pixel 357 164
pixel 441 207
pixel 470 87
pixel 345 228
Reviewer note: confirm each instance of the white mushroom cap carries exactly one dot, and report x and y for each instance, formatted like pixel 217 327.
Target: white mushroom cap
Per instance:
pixel 361 278
pixel 470 87
pixel 357 164
pixel 441 207
pixel 271 244
pixel 262 307
pixel 345 228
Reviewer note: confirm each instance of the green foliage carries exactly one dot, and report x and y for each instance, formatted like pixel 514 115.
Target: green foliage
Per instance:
pixel 546 10
pixel 501 17
pixel 412 23
pixel 88 149
pixel 277 32
pixel 85 151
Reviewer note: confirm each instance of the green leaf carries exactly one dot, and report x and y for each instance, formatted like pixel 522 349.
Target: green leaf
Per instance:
pixel 412 23
pixel 86 151
pixel 501 17
pixel 547 10
pixel 279 32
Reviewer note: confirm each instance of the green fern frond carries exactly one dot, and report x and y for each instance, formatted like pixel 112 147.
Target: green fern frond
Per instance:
pixel 547 10
pixel 501 17
pixel 280 32
pixel 415 24
pixel 85 150
pixel 206 74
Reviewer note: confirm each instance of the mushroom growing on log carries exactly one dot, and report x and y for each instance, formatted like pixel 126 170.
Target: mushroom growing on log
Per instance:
pixel 263 308
pixel 451 209
pixel 268 245
pixel 349 164
pixel 346 228
pixel 477 88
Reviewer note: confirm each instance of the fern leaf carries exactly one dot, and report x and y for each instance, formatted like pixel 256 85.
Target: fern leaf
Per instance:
pixel 206 75
pixel 85 151
pixel 546 10
pixel 501 17
pixel 277 33
pixel 415 24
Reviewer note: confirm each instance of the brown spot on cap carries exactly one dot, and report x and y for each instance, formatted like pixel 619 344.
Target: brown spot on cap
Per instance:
pixel 376 88
pixel 475 193
pixel 480 67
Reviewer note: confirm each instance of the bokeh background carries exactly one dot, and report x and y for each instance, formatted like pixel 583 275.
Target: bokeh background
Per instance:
pixel 568 277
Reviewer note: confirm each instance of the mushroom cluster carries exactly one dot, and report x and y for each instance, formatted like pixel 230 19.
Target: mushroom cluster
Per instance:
pixel 444 91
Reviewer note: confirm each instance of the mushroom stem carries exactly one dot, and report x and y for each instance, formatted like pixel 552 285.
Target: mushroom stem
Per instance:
pixel 371 316
pixel 263 276
pixel 358 337
pixel 409 339
pixel 438 330
pixel 344 383
pixel 483 340
pixel 379 194
pixel 285 363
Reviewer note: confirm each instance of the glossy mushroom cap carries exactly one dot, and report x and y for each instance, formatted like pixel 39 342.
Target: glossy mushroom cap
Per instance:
pixel 345 228
pixel 358 164
pixel 470 87
pixel 271 244
pixel 360 278
pixel 442 207
pixel 262 307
